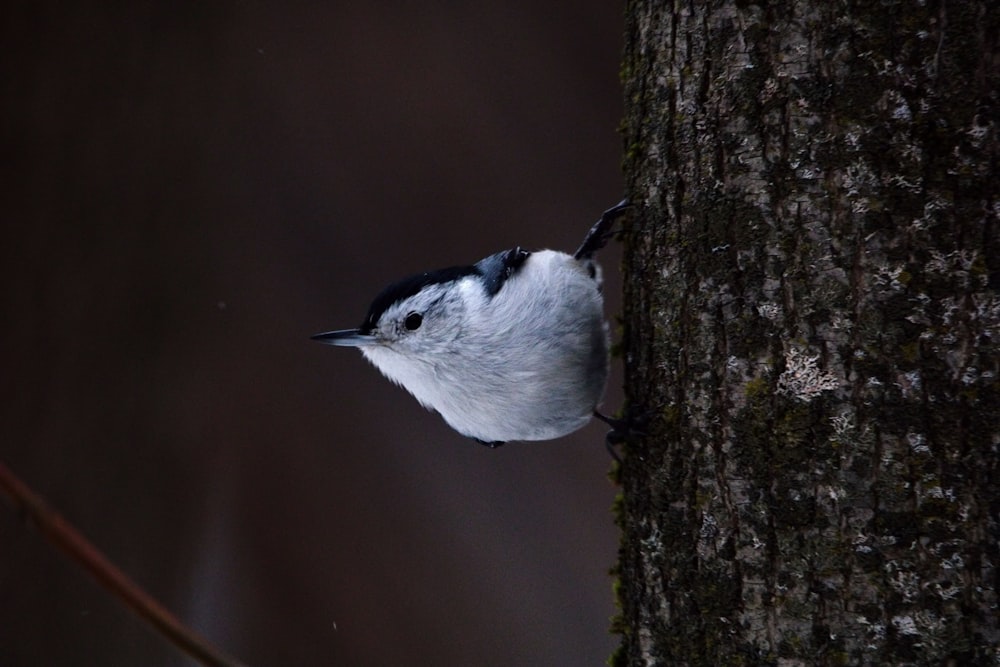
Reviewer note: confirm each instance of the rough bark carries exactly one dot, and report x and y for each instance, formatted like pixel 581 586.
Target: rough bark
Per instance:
pixel 812 325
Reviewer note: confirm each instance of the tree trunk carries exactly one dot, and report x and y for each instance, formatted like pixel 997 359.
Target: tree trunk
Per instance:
pixel 812 326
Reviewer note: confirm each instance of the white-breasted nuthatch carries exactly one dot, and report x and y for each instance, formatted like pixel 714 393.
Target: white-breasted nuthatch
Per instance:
pixel 513 347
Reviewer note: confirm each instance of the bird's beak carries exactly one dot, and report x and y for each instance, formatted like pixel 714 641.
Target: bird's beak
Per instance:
pixel 345 338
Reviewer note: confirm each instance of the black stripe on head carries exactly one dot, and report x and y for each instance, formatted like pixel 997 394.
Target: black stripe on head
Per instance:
pixel 407 287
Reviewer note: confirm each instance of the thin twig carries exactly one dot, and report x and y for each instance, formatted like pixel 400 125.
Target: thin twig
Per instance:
pixel 79 549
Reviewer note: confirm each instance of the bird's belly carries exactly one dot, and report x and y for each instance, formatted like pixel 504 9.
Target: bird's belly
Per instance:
pixel 533 409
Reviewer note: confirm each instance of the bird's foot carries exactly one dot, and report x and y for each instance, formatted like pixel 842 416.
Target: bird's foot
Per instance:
pixel 599 234
pixel 622 430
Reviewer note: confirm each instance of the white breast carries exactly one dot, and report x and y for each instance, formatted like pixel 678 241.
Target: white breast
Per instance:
pixel 531 363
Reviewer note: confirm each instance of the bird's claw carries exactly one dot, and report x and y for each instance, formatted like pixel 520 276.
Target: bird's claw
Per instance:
pixel 622 430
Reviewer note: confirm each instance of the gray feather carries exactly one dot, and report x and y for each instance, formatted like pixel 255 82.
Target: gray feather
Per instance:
pixel 496 269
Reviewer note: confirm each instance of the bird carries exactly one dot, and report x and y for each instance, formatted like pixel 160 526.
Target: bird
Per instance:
pixel 511 348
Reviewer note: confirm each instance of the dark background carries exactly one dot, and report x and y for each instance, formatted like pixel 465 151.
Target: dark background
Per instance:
pixel 189 192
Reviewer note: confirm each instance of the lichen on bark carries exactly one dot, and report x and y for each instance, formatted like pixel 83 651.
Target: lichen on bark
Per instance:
pixel 813 323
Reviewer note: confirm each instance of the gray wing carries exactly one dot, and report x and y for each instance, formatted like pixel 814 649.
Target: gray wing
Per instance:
pixel 496 269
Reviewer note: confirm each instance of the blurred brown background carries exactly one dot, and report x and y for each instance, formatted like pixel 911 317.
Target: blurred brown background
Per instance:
pixel 190 191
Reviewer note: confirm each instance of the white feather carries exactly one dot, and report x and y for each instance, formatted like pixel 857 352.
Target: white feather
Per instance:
pixel 529 363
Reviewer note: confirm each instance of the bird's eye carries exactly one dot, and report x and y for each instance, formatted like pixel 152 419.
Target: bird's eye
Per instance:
pixel 413 321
